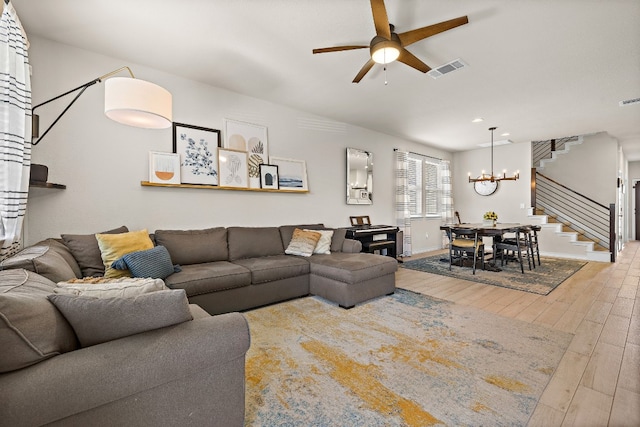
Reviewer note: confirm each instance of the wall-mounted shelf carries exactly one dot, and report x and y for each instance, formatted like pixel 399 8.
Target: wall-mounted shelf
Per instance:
pixel 215 187
pixel 47 185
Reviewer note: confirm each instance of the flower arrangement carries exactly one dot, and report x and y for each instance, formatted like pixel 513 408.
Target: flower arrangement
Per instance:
pixel 490 215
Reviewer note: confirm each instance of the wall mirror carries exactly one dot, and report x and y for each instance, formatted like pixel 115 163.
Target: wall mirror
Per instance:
pixel 359 177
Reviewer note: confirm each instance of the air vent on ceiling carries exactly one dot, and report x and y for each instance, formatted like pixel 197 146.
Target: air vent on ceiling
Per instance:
pixel 630 102
pixel 447 68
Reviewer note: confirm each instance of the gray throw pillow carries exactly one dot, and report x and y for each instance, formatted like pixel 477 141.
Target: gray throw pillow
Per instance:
pixel 155 263
pixel 31 329
pixel 86 251
pixel 98 320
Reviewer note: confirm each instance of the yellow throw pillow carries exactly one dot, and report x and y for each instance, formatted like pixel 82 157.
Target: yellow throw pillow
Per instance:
pixel 114 246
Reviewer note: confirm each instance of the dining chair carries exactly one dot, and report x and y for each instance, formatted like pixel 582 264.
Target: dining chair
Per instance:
pixel 464 242
pixel 533 243
pixel 515 247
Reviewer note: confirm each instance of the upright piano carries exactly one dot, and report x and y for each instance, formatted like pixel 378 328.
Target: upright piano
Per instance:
pixel 375 238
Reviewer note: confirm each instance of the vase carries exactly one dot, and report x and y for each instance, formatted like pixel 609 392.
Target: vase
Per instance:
pixel 489 222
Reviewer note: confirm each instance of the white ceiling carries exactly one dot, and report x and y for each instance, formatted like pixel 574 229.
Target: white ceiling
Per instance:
pixel 538 69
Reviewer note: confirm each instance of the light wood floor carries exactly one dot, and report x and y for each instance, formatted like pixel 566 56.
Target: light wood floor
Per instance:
pixel 598 380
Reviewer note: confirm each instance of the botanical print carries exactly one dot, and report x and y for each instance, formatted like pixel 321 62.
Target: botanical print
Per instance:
pixel 198 149
pixel 252 139
pixel 233 168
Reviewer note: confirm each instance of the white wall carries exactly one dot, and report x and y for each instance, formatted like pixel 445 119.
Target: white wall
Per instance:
pixel 590 168
pixel 512 198
pixel 102 162
pixel 633 177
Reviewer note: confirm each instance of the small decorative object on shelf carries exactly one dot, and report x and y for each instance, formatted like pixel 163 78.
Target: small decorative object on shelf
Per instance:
pixel 489 218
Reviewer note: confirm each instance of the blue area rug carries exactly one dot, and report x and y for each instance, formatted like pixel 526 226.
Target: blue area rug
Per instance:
pixel 400 360
pixel 541 280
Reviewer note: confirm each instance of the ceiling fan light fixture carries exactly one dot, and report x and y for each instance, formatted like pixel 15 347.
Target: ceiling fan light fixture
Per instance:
pixel 384 51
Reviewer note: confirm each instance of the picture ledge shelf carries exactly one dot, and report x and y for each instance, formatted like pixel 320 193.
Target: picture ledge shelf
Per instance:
pixel 215 187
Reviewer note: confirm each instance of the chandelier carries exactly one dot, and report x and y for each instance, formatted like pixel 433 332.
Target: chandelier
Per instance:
pixel 492 177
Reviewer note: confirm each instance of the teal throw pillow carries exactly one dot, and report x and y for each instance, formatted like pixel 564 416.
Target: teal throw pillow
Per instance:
pixel 155 263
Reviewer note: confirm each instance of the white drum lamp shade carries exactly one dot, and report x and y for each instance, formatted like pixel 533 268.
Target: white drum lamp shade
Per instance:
pixel 136 102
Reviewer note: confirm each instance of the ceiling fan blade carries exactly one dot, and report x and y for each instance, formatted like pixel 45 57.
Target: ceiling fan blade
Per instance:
pixel 364 70
pixel 411 60
pixel 380 19
pixel 337 48
pixel 422 33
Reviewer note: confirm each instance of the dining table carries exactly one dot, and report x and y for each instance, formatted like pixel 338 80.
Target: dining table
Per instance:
pixel 496 232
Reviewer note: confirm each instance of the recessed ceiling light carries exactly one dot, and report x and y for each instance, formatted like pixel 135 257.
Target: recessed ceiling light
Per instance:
pixel 477 120
pixel 505 134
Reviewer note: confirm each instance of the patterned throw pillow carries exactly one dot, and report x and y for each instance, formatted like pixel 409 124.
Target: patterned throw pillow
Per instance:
pixel 154 263
pixel 303 242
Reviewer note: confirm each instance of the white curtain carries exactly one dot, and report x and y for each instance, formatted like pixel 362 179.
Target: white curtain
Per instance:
pixel 446 205
pixel 403 214
pixel 15 130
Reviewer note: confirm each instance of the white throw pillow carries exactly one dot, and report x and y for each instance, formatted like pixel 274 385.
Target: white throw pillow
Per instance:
pixel 110 288
pixel 324 244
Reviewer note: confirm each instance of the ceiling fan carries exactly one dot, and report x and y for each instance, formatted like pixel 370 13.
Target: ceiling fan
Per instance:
pixel 387 46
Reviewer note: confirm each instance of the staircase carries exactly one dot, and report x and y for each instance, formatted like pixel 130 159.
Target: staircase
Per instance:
pixel 573 226
pixel 545 152
pixel 558 239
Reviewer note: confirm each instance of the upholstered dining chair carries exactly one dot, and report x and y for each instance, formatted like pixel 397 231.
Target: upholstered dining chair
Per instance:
pixel 464 242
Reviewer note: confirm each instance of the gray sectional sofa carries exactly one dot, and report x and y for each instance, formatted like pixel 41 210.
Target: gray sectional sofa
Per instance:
pixel 191 373
pixel 234 268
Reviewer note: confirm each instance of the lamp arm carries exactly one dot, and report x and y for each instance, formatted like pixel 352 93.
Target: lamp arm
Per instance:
pixel 81 88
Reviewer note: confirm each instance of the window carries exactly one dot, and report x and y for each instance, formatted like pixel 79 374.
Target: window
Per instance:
pixel 424 186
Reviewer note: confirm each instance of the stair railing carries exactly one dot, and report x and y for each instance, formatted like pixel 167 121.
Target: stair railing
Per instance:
pixel 576 211
pixel 541 150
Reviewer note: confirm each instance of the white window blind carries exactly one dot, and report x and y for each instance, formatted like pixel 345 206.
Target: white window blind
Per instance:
pixel 424 186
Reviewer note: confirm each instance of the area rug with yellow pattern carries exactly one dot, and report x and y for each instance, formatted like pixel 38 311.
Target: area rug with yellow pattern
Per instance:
pixel 400 360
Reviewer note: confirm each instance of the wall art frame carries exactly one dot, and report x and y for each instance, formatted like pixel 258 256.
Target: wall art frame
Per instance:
pixel 198 149
pixel 269 177
pixel 164 168
pixel 233 168
pixel 251 138
pixel 292 173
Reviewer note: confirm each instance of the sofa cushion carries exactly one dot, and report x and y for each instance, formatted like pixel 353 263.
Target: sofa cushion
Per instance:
pixel 338 238
pixel 47 258
pixel 352 267
pixel 114 246
pixel 277 267
pixel 86 251
pixel 303 242
pixel 194 246
pixel 98 320
pixel 252 242
pixel 208 277
pixel 31 329
pixel 110 288
pixel 155 262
